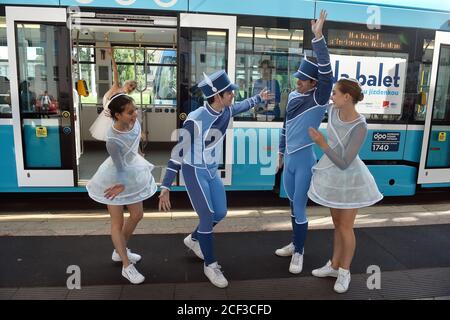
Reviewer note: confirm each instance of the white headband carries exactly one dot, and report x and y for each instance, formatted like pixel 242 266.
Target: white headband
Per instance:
pixel 113 97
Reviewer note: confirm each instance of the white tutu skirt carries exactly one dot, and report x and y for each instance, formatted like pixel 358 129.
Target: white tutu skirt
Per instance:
pixel 100 126
pixel 351 188
pixel 139 183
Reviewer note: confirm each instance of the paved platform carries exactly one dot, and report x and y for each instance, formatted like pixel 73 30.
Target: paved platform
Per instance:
pixel 413 261
pixel 410 244
pixel 96 221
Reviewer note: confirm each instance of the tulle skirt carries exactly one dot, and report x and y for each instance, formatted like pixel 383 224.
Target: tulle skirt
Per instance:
pixel 139 182
pixel 351 188
pixel 100 126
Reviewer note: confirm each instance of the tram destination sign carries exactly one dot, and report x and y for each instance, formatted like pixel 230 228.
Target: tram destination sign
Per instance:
pixel 364 40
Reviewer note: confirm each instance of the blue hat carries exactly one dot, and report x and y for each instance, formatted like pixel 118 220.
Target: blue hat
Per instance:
pixel 307 70
pixel 216 83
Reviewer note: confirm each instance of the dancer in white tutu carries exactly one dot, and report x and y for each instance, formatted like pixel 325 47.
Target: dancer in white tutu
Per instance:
pixel 124 178
pixel 104 121
pixel 341 181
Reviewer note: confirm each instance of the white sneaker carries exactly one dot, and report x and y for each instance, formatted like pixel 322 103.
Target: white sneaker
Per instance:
pixel 133 257
pixel 194 246
pixel 296 265
pixel 326 271
pixel 132 274
pixel 343 281
pixel 286 251
pixel 215 275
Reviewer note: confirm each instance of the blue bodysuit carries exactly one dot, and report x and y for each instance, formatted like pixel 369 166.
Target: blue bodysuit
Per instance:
pixel 198 154
pixel 304 111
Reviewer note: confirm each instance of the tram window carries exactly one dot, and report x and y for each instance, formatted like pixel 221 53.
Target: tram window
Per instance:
pixel 164 75
pixel 267 57
pixel 128 55
pixel 165 88
pixel 441 109
pixel 130 65
pixel 87 67
pixel 5 96
pixel 424 78
pixel 38 83
pixel 155 71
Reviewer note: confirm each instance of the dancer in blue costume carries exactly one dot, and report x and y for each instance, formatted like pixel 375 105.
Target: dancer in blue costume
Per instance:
pixel 198 154
pixel 306 108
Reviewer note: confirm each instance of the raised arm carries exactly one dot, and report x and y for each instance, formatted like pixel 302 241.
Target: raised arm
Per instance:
pixel 116 81
pixel 249 103
pixel 325 74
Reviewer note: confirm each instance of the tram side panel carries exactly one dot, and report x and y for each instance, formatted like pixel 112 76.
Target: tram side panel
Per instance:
pixel 255 158
pixel 8 176
pixel 384 151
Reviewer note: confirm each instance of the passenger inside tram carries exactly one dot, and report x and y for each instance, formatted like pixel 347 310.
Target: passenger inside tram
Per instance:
pixel 270 109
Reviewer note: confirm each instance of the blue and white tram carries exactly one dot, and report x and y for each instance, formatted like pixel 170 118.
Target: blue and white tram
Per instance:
pixel 399 51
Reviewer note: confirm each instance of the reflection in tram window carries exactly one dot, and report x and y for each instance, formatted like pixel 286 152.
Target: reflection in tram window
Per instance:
pixel 278 48
pixel 424 79
pixel 441 110
pixel 38 70
pixel 5 95
pixel 439 141
pixel 40 52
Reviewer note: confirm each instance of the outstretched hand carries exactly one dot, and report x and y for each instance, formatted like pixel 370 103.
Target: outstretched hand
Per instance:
pixel 114 191
pixel 164 200
pixel 266 95
pixel 316 26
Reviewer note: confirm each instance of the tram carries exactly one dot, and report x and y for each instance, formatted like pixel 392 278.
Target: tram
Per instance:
pixel 398 50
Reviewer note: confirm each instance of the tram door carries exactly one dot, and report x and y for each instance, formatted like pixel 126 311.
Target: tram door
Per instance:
pixel 41 96
pixel 207 43
pixel 435 156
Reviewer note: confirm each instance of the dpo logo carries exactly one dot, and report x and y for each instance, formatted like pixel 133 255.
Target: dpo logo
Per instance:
pixel 379 136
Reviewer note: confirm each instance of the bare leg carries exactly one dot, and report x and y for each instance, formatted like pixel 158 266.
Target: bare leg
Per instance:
pixel 136 214
pixel 337 241
pixel 116 213
pixel 347 235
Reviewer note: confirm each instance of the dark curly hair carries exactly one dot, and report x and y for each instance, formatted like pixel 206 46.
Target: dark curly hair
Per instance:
pixel 118 102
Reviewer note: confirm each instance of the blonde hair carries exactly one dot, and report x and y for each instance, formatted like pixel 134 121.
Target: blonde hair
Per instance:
pixel 132 83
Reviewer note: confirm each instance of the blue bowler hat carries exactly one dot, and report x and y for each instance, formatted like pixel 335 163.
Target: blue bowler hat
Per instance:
pixel 307 70
pixel 216 83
